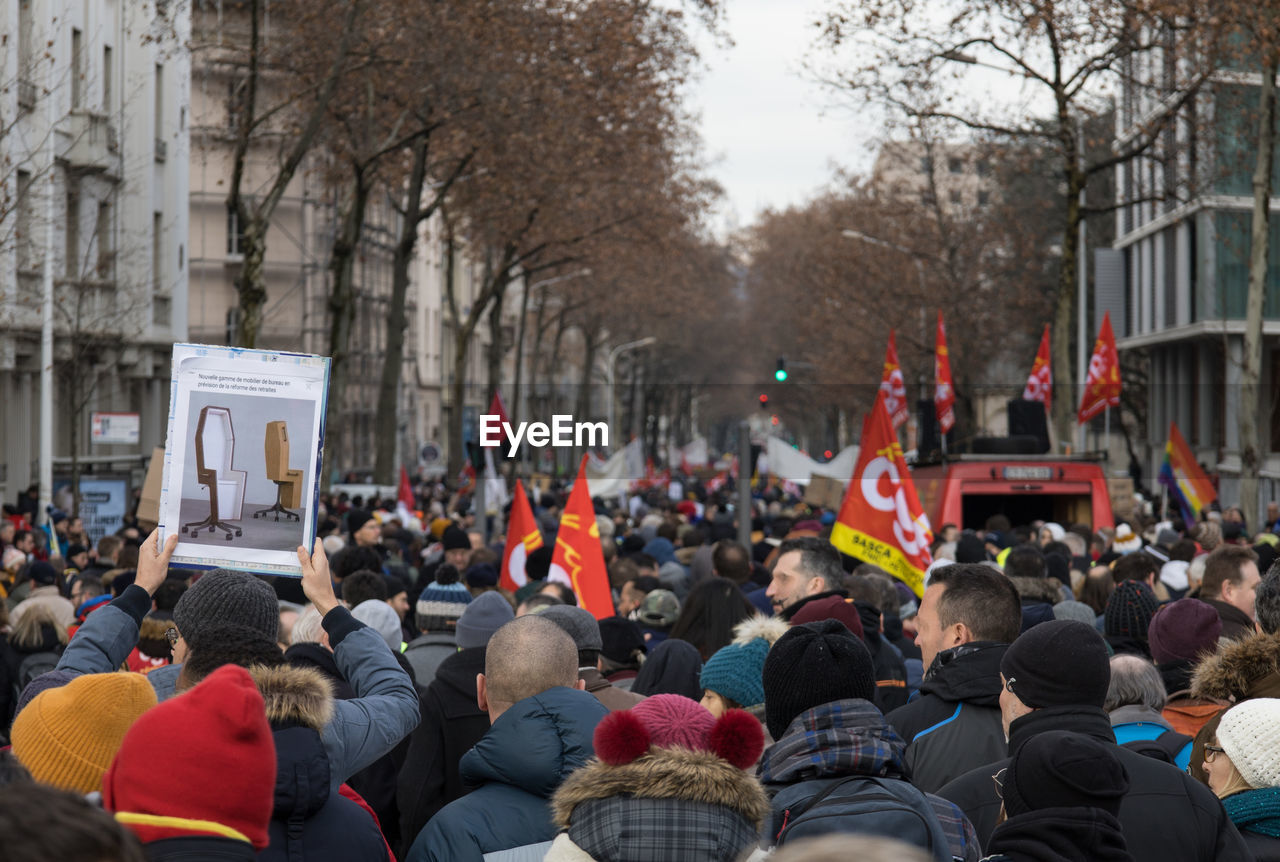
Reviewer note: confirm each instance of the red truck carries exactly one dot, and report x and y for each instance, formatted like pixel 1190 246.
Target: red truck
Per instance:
pixel 965 490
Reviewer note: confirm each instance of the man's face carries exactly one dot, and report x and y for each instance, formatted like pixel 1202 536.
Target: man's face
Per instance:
pixel 77 526
pixel 629 599
pixel 77 589
pixel 790 583
pixel 1273 512
pixel 1242 595
pixel 929 634
pixel 458 557
pixel 950 533
pixel 368 534
pixel 26 544
pixel 400 604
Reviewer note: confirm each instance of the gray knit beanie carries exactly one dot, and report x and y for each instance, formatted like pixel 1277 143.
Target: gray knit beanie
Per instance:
pixel 223 595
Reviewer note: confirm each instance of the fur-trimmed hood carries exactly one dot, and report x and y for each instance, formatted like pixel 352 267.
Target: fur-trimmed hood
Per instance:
pixel 664 773
pixel 1240 669
pixel 759 626
pixel 295 696
pixel 1048 590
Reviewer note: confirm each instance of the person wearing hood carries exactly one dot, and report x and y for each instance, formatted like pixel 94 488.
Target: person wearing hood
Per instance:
pixel 968 617
pixel 835 750
pixel 1055 677
pixel 673 667
pixel 1061 795
pixel 665 761
pixel 1181 634
pixel 541 729
pixel 452 721
pixel 1243 767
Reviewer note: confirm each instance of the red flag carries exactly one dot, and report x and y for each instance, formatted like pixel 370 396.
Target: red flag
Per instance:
pixel 1102 387
pixel 404 494
pixel 881 520
pixel 523 538
pixel 578 560
pixel 1040 384
pixel 467 478
pixel 497 408
pixel 893 385
pixel 944 396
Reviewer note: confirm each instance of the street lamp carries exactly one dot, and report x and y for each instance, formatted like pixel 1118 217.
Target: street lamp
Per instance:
pixel 850 233
pixel 613 358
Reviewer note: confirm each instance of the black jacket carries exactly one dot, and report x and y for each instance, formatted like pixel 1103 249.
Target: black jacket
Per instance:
pixel 1166 814
pixel 891 669
pixel 198 848
pixel 452 722
pixel 954 725
pixel 308 822
pixel 1059 835
pixel 1236 624
pixel 1263 847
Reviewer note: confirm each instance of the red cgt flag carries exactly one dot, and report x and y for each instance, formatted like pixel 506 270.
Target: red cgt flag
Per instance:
pixel 578 560
pixel 523 538
pixel 881 520
pixel 1102 387
pixel 944 395
pixel 497 408
pixel 894 386
pixel 1040 383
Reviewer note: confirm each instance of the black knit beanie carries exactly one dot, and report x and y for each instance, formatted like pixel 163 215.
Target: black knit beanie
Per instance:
pixel 1058 663
pixel 1058 769
pixel 357 518
pixel 813 664
pixel 456 539
pixel 1129 610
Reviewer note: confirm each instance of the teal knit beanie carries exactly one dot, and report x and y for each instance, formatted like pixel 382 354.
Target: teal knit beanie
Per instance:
pixel 736 672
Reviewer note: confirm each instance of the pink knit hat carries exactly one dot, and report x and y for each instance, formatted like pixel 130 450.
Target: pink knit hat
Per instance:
pixel 672 720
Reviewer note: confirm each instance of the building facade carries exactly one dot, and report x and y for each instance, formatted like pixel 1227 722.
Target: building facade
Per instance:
pixel 93 208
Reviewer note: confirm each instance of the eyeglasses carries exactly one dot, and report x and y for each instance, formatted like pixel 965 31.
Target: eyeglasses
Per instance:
pixel 998 778
pixel 171 635
pixel 1212 751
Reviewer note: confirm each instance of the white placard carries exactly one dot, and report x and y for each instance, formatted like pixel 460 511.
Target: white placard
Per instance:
pixel 115 428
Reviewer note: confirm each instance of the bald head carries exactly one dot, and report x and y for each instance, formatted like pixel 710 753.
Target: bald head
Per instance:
pixel 525 657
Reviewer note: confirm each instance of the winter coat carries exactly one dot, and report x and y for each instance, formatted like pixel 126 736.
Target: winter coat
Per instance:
pixel 516 766
pixel 48 598
pixel 1255 813
pixel 362 730
pixel 1059 835
pixel 1236 624
pixel 614 698
pixel 315 656
pixel 673 667
pixel 954 725
pixel 309 821
pixel 1166 814
pixel 198 848
pixel 452 723
pixel 890 667
pixel 841 740
pixel 671 804
pixel 1238 671
pixel 1038 596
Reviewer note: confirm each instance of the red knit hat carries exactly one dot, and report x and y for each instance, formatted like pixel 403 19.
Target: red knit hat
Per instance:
pixel 830 608
pixel 669 720
pixel 201 763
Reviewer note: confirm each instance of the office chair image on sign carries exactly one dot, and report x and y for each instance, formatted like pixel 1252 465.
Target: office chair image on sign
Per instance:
pixel 288 482
pixel 215 449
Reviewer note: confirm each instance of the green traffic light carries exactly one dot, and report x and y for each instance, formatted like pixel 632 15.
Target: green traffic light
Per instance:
pixel 780 375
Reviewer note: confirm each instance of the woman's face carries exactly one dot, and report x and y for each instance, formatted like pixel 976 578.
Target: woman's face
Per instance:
pixel 714 703
pixel 1217 766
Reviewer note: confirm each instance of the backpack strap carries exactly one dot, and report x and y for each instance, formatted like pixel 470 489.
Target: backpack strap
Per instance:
pixel 1172 743
pixel 799 810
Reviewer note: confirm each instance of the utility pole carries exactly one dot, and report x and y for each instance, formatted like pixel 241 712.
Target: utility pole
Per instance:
pixel 46 311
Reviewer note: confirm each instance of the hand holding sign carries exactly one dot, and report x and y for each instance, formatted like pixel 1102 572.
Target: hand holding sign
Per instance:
pixel 153 562
pixel 317 584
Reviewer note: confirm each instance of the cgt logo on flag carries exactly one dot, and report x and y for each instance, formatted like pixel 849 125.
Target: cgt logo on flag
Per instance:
pixel 1040 382
pixel 881 520
pixel 894 385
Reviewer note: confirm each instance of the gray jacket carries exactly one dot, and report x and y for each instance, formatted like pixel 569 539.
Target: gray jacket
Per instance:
pixel 384 711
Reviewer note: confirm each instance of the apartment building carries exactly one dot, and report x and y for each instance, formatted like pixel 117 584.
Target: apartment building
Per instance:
pixel 957 175
pixel 93 208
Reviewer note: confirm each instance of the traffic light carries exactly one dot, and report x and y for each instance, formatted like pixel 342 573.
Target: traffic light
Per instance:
pixel 774 419
pixel 781 374
pixel 764 401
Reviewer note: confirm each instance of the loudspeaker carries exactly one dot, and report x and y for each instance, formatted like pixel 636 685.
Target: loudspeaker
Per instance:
pixel 1027 419
pixel 1025 444
pixel 927 439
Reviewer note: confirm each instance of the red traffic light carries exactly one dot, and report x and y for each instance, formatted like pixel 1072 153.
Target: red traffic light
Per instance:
pixel 827 454
pixel 774 419
pixel 764 400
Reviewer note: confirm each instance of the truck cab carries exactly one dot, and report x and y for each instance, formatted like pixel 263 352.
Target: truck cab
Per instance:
pixel 966 490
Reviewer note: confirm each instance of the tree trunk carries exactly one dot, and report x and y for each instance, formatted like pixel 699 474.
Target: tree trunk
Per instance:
pixel 389 385
pixel 497 344
pixel 457 392
pixel 251 283
pixel 590 347
pixel 342 313
pixel 1065 397
pixel 1251 406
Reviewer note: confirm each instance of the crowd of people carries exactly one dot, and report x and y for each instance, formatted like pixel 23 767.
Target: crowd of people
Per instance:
pixel 1055 693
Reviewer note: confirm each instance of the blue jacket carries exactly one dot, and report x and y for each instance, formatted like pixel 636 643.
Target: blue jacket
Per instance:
pixel 518 764
pixel 384 711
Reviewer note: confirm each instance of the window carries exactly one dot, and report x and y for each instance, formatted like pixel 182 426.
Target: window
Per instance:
pixel 106 79
pixel 102 237
pixel 234 104
pixel 157 262
pixel 955 165
pixel 984 198
pixel 23 227
pixel 983 168
pixel 26 39
pixel 77 68
pixel 159 87
pixel 926 165
pixel 71 256
pixel 233 233
pixel 928 199
pixel 955 197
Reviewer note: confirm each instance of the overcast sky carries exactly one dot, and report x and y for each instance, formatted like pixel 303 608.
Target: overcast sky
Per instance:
pixel 772 134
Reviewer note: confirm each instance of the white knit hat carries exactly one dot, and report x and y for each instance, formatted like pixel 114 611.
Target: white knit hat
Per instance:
pixel 1250 735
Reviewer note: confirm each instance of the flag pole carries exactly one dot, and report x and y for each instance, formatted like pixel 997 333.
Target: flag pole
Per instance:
pixel 1106 430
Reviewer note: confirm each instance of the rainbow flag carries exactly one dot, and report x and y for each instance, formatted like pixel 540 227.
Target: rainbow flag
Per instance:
pixel 1181 474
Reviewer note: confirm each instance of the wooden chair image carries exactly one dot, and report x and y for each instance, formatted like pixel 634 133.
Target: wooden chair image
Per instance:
pixel 288 482
pixel 215 454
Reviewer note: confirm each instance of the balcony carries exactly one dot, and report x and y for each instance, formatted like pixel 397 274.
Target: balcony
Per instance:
pixel 91 144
